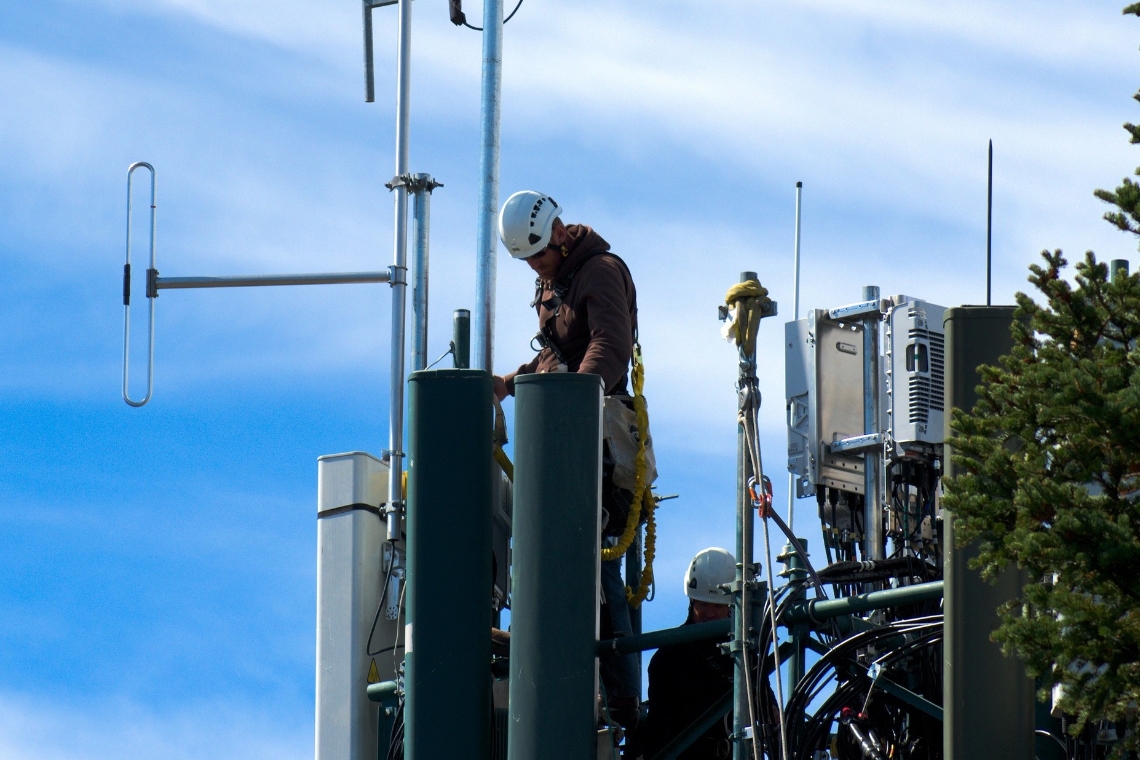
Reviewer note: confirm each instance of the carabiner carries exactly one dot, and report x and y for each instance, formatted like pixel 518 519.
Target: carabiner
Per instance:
pixel 761 499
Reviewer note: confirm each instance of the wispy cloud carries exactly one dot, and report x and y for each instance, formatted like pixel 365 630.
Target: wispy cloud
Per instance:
pixel 40 728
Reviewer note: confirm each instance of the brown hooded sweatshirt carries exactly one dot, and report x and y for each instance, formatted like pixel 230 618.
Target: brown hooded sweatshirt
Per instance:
pixel 593 327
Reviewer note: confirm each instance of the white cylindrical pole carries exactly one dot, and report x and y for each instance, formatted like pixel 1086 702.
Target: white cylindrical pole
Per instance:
pixel 483 355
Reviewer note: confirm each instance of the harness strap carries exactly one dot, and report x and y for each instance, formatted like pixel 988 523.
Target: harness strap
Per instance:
pixel 560 287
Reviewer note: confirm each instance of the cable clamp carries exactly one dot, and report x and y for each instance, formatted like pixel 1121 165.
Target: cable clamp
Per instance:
pixel 415 183
pixel 400 180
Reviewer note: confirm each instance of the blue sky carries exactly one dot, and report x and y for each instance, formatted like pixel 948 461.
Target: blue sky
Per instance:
pixel 157 582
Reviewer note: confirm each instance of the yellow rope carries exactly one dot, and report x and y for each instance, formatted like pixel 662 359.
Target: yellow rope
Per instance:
pixel 642 414
pixel 749 298
pixel 636 598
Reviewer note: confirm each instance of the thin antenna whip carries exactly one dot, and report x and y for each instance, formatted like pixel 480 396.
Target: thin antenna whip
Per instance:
pixel 989 225
pixel 795 315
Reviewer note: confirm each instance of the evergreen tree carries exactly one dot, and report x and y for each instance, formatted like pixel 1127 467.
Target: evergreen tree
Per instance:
pixel 1051 483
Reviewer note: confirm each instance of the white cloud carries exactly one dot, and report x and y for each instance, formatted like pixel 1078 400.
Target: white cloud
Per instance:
pixel 882 111
pixel 37 728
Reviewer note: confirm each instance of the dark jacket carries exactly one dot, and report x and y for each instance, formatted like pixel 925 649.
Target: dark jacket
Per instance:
pixel 593 326
pixel 684 681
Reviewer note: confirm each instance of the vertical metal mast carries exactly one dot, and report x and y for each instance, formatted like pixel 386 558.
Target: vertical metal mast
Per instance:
pixel 873 543
pixel 399 280
pixel 490 106
pixel 747 387
pixel 795 316
pixel 422 186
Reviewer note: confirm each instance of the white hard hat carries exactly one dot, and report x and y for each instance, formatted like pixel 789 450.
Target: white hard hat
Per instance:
pixel 708 571
pixel 526 221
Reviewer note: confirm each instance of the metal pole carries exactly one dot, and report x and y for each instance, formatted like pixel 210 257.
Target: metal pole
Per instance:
pixel 989 221
pixel 633 568
pixel 486 249
pixel 794 570
pixel 796 276
pixel 423 185
pixel 873 458
pixel 744 538
pixel 259 280
pixel 399 276
pixel 716 630
pixel 556 567
pixel 815 610
pixel 795 316
pixel 369 73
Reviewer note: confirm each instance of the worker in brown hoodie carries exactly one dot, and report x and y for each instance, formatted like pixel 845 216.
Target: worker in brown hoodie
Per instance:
pixel 587 320
pixel 587 309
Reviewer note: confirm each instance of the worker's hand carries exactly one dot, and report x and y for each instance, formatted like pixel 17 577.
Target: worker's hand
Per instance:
pixel 500 388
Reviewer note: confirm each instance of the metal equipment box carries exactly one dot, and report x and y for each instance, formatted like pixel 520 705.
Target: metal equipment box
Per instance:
pixel 823 380
pixel 915 371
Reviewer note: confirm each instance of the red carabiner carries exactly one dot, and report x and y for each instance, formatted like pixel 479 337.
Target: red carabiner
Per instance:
pixel 761 500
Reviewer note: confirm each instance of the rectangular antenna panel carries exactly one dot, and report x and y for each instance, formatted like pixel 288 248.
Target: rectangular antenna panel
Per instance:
pixel 350 540
pixel 916 368
pixel 823 377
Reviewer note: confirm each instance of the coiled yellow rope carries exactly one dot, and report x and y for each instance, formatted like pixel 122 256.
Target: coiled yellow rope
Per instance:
pixel 635 598
pixel 749 299
pixel 642 495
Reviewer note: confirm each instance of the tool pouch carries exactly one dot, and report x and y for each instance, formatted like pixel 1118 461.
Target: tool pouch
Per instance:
pixel 619 431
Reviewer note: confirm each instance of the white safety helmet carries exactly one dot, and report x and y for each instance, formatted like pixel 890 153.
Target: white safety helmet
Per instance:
pixel 708 571
pixel 526 221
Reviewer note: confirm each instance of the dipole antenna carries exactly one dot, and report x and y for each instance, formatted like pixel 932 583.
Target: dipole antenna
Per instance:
pixel 989 224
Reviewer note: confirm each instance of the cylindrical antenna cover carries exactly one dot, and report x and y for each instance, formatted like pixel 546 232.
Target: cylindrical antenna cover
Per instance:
pixel 557 523
pixel 448 636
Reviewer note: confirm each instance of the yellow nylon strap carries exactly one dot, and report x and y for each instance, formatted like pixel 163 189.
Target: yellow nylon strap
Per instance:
pixel 498 438
pixel 504 462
